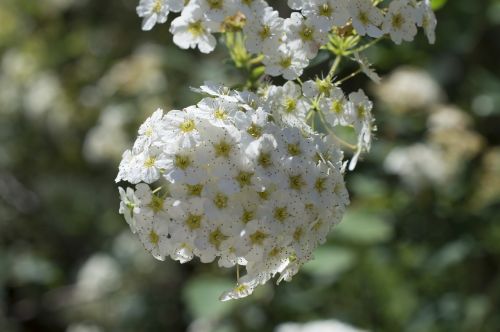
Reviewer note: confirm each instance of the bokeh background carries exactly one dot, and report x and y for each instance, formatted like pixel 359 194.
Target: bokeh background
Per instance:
pixel 419 249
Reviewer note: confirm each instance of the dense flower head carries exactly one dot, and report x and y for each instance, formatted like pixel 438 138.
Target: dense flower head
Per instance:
pixel 241 178
pixel 288 44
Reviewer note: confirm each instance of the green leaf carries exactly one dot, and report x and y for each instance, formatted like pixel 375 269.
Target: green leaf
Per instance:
pixel 363 228
pixel 257 72
pixel 201 296
pixel 329 262
pixel 437 4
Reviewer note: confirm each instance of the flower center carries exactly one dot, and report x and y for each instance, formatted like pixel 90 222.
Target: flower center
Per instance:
pixel 280 213
pixel 265 32
pixel 297 235
pixel 397 21
pixel 286 62
pixel 182 161
pixel 196 28
pixel 337 107
pixel 220 114
pixel 296 182
pixel 150 162
pixel 264 195
pixel 187 126
pixel 294 150
pixel 244 178
pixel 223 149
pixel 157 6
pixel 254 131
pixel 265 160
pixel 363 18
pixel 215 4
pixel 307 33
pixel 156 203
pixel 258 237
pixel 319 185
pixel 216 238
pixel 325 10
pixel 194 189
pixel 290 105
pixel 154 238
pixel 220 201
pixel 193 221
pixel 247 216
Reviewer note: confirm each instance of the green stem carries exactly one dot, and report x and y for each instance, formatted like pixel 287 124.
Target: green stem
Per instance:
pixel 339 140
pixel 334 67
pixel 363 47
pixel 257 60
pixel 348 77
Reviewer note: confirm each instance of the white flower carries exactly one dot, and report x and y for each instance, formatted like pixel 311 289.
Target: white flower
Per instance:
pixel 428 20
pixel 218 111
pixel 334 107
pixel 366 18
pixel 188 218
pixel 325 14
pixel 418 165
pixel 263 32
pixel 252 8
pixel 399 21
pixel 217 90
pixel 181 166
pixel 214 10
pixel 182 127
pixel 238 179
pixel 360 116
pixel 287 105
pixel 243 289
pixel 303 34
pixel 287 60
pixel 150 163
pixel 129 206
pixel 366 68
pixel 153 233
pixel 156 11
pixel 150 131
pixel 191 30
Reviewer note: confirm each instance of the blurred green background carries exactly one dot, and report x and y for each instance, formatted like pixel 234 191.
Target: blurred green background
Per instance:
pixel 419 249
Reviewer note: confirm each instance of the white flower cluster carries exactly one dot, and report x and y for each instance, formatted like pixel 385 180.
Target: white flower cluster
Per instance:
pixel 241 178
pixel 288 44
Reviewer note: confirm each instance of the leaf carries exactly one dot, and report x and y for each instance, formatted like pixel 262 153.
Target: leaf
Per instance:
pixel 329 262
pixel 363 228
pixel 201 295
pixel 437 4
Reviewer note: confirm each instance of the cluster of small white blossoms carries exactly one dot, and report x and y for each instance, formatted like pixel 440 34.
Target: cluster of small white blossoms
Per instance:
pixel 242 179
pixel 287 44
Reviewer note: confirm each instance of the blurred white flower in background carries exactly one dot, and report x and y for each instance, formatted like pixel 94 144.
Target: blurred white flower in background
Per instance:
pixel 447 117
pixel 107 140
pixel 331 325
pixel 41 95
pixel 450 128
pixel 417 165
pixel 488 190
pixel 140 74
pixel 82 327
pixel 17 69
pixel 99 276
pixel 449 142
pixel 408 89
